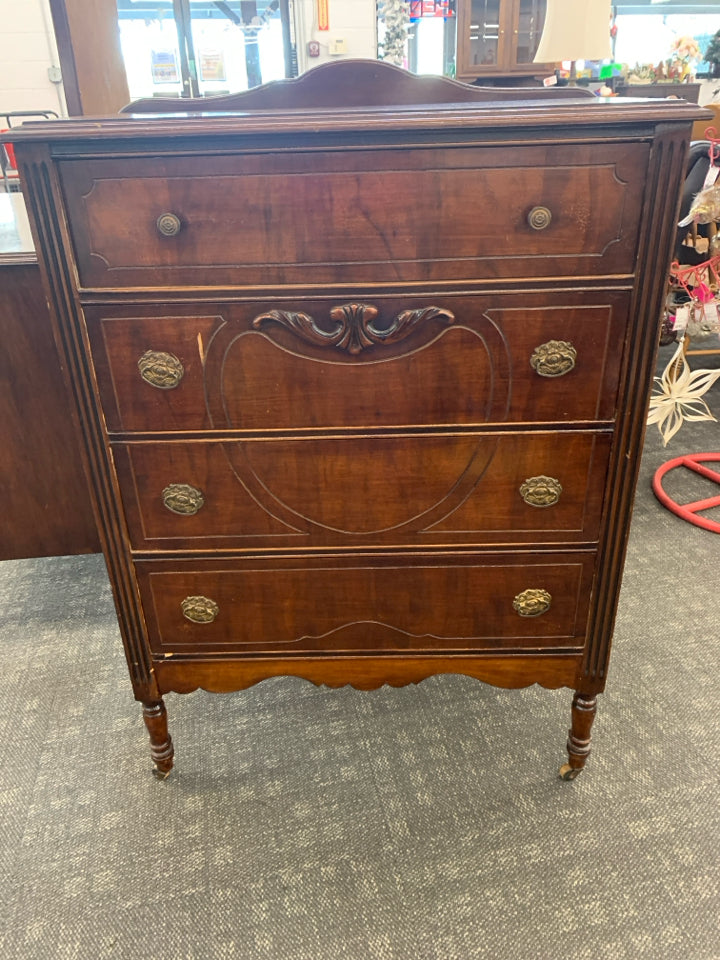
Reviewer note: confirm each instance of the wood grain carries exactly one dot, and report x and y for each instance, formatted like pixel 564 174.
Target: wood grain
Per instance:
pixel 393 216
pixel 350 83
pixel 474 372
pixel 420 490
pixel 365 673
pixel 88 39
pixel 41 473
pixel 361 519
pixel 380 602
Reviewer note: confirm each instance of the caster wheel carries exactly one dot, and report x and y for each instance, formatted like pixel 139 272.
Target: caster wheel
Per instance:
pixel 160 774
pixel 569 773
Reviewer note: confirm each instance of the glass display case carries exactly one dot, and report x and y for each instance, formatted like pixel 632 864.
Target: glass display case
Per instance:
pixel 499 38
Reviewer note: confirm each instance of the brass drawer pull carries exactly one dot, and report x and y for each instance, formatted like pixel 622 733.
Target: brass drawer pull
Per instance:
pixel 168 225
pixel 539 218
pixel 554 358
pixel 199 609
pixel 531 603
pixel 161 370
pixel 183 499
pixel 541 491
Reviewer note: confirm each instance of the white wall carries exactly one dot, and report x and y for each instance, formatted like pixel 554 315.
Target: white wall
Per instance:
pixel 27 49
pixel 353 21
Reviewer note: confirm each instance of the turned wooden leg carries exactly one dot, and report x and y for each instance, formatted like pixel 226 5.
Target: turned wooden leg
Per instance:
pixel 584 706
pixel 161 747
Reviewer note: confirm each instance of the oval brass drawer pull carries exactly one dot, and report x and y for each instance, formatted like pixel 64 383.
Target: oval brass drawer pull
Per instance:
pixel 541 491
pixel 531 603
pixel 168 225
pixel 199 609
pixel 539 218
pixel 183 499
pixel 161 370
pixel 554 358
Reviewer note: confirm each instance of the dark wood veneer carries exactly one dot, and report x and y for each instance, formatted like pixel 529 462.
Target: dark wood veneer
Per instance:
pixel 511 671
pixel 369 346
pixel 41 476
pixel 394 216
pixel 425 490
pixel 330 605
pixel 240 377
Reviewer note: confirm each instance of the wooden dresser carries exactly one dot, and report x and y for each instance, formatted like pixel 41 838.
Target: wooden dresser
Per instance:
pixel 362 367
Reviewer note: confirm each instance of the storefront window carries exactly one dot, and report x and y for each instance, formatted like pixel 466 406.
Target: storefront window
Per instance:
pixel 214 48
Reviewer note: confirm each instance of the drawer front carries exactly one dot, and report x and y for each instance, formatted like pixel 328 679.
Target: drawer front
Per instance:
pixel 390 216
pixel 354 491
pixel 380 362
pixel 373 604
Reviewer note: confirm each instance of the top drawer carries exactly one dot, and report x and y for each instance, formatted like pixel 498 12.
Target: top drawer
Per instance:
pixel 380 216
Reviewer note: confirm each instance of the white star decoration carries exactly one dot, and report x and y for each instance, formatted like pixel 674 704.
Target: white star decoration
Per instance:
pixel 679 397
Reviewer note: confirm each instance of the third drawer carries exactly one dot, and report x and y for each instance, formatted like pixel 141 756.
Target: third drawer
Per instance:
pixel 427 490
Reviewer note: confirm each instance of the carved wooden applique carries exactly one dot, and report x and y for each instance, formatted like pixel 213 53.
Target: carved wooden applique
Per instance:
pixel 355 330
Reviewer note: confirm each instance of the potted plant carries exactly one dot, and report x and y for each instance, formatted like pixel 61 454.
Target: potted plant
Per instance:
pixel 685 54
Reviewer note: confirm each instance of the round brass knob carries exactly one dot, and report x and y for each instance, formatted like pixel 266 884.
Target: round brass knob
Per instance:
pixel 541 491
pixel 161 370
pixel 539 218
pixel 554 358
pixel 531 603
pixel 168 225
pixel 199 609
pixel 183 499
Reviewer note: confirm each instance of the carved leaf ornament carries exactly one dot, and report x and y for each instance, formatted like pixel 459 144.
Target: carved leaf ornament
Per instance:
pixel 354 329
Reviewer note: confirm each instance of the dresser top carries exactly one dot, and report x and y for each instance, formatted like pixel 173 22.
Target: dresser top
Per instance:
pixel 364 96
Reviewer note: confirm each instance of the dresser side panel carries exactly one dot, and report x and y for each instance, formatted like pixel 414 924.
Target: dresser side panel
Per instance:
pixel 657 237
pixel 53 246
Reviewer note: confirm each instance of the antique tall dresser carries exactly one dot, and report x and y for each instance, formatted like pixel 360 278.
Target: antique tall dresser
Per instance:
pixel 361 362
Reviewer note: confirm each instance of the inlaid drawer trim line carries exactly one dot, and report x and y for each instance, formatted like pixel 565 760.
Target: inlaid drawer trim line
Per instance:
pixel 216 342
pixel 373 603
pixel 425 227
pixel 456 488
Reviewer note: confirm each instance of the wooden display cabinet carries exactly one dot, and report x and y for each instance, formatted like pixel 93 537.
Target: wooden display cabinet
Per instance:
pixel 499 38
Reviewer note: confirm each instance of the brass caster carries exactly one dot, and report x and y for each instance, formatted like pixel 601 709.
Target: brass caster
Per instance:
pixel 569 773
pixel 160 774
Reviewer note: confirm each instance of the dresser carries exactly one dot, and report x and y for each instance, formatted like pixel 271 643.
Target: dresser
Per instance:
pixel 361 362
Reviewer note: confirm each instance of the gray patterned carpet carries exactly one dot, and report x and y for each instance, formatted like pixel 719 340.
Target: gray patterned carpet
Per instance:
pixel 424 823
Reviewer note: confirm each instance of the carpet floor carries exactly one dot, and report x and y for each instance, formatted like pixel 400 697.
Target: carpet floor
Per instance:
pixel 422 823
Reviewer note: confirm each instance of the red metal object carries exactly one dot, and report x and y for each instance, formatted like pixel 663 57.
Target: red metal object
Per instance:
pixel 689 511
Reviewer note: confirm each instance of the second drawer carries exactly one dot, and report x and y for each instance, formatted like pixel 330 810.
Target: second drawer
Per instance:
pixel 407 361
pixel 427 490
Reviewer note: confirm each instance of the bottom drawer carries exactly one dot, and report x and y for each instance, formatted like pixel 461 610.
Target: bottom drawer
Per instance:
pixel 373 603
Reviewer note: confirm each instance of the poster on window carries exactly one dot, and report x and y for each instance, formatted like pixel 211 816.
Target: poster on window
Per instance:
pixel 164 66
pixel 212 65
